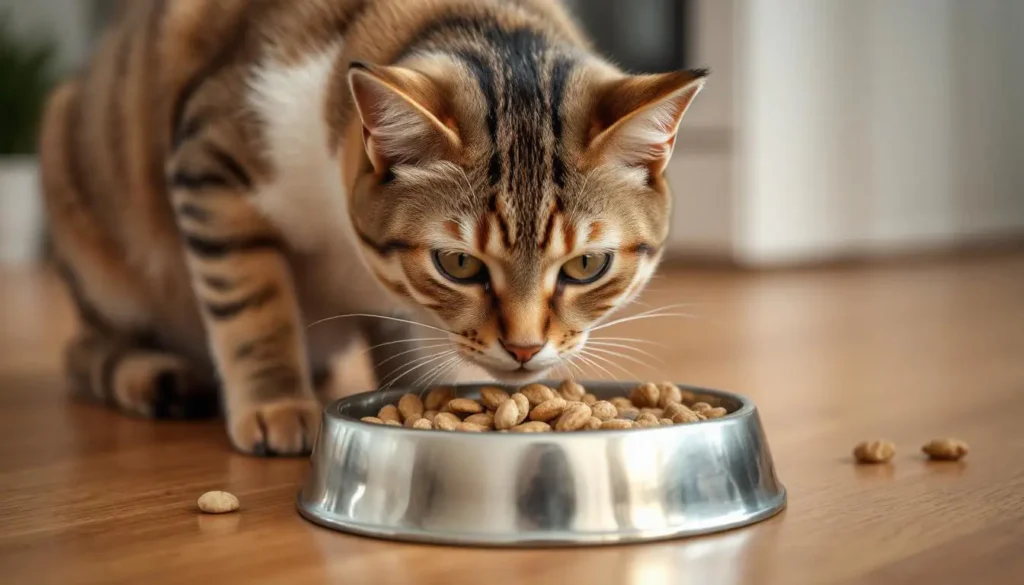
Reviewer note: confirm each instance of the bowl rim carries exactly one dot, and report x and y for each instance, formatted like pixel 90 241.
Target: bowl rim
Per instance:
pixel 747 409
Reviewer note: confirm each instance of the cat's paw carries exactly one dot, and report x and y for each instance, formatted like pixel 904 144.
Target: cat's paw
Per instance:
pixel 279 428
pixel 153 385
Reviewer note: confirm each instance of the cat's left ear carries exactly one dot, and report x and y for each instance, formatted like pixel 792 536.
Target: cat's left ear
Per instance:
pixel 636 118
pixel 402 112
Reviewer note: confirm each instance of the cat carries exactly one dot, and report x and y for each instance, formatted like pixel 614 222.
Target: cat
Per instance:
pixel 224 174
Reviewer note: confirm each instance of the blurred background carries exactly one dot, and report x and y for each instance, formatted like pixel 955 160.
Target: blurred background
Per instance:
pixel 831 129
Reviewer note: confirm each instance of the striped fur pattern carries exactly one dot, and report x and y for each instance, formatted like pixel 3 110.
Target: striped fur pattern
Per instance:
pixel 226 173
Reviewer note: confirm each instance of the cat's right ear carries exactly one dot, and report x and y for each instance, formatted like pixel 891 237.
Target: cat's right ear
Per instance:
pixel 403 116
pixel 636 118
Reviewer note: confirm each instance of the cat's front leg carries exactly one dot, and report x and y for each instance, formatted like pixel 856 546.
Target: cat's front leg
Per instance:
pixel 244 288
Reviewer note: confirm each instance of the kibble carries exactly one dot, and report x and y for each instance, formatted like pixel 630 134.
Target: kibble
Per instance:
pixel 945 449
pixel 410 407
pixel 437 398
pixel 874 451
pixel 537 408
pixel 218 503
pixel 537 393
pixel 572 391
pixel 548 410
pixel 492 397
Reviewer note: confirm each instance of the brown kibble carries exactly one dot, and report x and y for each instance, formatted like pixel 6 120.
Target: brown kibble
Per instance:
pixel 534 426
pixel 622 402
pixel 429 415
pixel 465 406
pixel 646 417
pixel 575 416
pixel 217 502
pixel 701 407
pixel 647 424
pixel 616 424
pixel 657 412
pixel 410 406
pixel 390 412
pixel 537 393
pixel 685 416
pixel 630 414
pixel 522 405
pixel 468 427
pixel 674 409
pixel 669 393
pixel 874 451
pixel 594 423
pixel 423 424
pixel 571 391
pixel 645 395
pixel 945 449
pixel 665 422
pixel 548 410
pixel 604 410
pixel 392 423
pixel 492 397
pixel 716 412
pixel 484 419
pixel 372 420
pixel 446 421
pixel 409 422
pixel 437 398
pixel 589 398
pixel 507 415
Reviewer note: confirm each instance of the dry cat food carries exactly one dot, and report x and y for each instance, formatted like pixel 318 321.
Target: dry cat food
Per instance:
pixel 218 502
pixel 945 449
pixel 537 408
pixel 874 451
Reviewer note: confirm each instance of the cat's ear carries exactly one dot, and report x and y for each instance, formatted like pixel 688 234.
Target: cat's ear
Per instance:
pixel 402 112
pixel 637 117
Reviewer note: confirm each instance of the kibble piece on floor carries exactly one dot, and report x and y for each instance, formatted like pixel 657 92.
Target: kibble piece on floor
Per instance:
pixel 874 451
pixel 218 502
pixel 945 449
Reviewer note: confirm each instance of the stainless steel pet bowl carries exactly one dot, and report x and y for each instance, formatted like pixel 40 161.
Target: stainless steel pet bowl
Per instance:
pixel 545 489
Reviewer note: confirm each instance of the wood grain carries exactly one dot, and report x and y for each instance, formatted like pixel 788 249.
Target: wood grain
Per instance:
pixel 904 352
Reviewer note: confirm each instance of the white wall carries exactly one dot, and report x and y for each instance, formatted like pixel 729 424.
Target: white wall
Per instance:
pixel 876 126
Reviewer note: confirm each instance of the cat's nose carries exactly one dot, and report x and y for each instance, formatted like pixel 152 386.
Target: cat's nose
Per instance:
pixel 522 353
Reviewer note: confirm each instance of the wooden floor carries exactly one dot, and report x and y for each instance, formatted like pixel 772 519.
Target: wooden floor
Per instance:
pixel 906 352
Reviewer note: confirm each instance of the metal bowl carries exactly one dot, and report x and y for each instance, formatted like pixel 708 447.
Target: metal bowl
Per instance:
pixel 545 489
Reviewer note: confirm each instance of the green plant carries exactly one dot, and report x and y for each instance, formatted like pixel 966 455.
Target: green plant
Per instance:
pixel 26 76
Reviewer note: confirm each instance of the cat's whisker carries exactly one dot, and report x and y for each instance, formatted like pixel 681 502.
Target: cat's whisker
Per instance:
pixel 602 344
pixel 412 366
pixel 613 364
pixel 443 372
pixel 641 317
pixel 620 355
pixel 633 339
pixel 385 317
pixel 419 348
pixel 595 365
pixel 410 340
pixel 432 371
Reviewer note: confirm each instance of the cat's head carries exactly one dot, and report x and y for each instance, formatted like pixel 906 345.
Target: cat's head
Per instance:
pixel 519 203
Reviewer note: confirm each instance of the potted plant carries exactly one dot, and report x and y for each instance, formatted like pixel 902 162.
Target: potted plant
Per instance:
pixel 26 76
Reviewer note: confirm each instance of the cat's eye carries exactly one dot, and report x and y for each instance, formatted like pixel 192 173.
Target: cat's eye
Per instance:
pixel 586 268
pixel 460 267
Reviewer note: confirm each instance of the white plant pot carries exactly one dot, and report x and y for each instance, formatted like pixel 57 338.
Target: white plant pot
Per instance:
pixel 21 210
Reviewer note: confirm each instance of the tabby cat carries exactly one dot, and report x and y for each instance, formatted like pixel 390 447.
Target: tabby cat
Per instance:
pixel 227 172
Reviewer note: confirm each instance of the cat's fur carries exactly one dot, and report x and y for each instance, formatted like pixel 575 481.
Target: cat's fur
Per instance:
pixel 227 172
